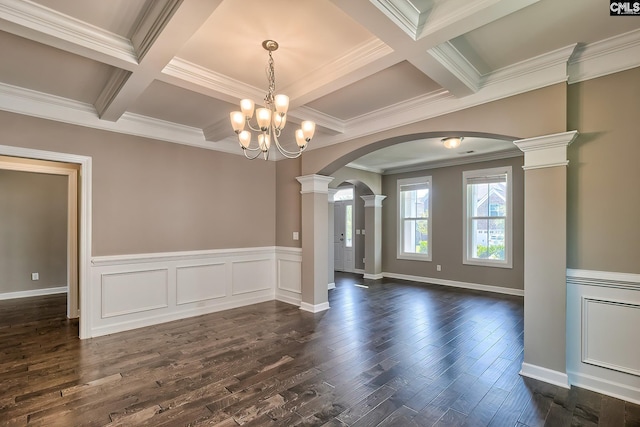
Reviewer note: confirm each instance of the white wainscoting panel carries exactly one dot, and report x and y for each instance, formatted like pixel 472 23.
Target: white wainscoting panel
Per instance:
pixel 195 283
pixel 608 328
pixel 603 316
pixel 289 275
pixel 247 275
pixel 147 289
pixel 134 291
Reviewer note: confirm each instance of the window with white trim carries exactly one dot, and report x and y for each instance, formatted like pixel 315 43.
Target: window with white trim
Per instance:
pixel 414 218
pixel 488 213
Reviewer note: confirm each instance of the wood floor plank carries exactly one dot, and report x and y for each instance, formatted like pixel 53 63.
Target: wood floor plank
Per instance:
pixel 395 354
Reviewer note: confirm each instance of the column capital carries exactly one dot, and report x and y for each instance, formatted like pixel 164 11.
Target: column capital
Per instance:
pixel 373 201
pixel 314 183
pixel 546 151
pixel 332 192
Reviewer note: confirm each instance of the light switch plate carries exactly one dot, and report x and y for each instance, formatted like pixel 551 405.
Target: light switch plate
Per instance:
pixel 296 235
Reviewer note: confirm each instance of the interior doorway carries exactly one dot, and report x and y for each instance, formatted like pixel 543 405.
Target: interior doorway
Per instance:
pixel 343 241
pixel 80 293
pixel 70 171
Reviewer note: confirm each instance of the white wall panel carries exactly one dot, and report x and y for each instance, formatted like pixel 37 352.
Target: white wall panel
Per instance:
pixel 603 316
pixel 290 275
pixel 196 283
pixel 251 275
pixel 608 335
pixel 134 291
pixel 146 289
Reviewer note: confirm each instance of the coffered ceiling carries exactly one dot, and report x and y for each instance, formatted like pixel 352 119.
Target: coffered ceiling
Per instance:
pixel 174 69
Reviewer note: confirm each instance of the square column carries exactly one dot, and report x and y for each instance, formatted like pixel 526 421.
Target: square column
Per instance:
pixel 315 242
pixel 545 256
pixel 373 236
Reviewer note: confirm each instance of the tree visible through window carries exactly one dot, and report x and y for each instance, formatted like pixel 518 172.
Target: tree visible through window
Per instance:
pixel 414 234
pixel 488 217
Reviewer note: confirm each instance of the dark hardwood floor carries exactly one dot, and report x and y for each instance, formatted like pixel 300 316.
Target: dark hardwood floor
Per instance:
pixel 392 354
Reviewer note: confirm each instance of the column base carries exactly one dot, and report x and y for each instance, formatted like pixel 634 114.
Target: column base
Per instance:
pixel 547 375
pixel 314 308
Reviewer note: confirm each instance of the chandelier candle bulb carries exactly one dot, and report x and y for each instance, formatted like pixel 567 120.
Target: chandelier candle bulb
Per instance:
pixel 300 140
pixel 247 106
pixel 263 116
pixel 264 141
pixel 279 121
pixel 281 103
pixel 245 138
pixel 237 121
pixel 270 119
pixel 308 129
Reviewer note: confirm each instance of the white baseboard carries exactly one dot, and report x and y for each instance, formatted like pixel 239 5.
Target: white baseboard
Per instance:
pixel 34 293
pixel 314 308
pixel 331 285
pixel 602 386
pixel 373 276
pixel 289 299
pixel 547 375
pixel 358 271
pixel 171 316
pixel 456 284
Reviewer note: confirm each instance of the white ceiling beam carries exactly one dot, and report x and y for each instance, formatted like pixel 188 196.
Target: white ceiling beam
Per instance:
pixel 162 32
pixel 43 25
pixel 431 25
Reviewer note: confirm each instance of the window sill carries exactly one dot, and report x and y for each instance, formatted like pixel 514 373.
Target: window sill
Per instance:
pixel 414 257
pixel 487 263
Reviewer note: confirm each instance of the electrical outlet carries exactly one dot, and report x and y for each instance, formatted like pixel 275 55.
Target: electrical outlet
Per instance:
pixel 35 276
pixel 363 260
pixel 438 267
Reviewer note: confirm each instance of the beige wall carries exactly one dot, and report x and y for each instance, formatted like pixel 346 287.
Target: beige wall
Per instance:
pixel 604 174
pixel 447 225
pixel 33 230
pixel 535 113
pixel 288 203
pixel 151 196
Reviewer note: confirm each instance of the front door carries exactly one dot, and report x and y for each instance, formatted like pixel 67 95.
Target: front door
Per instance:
pixel 343 236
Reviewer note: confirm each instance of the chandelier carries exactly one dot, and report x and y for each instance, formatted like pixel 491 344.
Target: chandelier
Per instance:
pixel 270 119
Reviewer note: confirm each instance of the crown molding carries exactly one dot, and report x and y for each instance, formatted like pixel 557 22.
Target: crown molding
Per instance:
pixel 217 84
pixel 153 22
pixel 355 59
pixel 538 72
pixel 543 70
pixel 24 101
pixel 39 23
pixel 114 85
pixel 404 14
pixel 604 57
pixel 447 55
pixel 364 168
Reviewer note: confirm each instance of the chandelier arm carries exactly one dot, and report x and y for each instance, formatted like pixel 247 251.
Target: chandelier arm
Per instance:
pixel 286 153
pixel 252 128
pixel 244 150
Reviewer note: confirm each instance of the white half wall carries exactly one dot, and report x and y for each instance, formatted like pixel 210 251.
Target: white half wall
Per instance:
pixel 133 291
pixel 603 315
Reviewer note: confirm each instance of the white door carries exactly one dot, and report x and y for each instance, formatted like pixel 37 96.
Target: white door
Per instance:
pixel 343 236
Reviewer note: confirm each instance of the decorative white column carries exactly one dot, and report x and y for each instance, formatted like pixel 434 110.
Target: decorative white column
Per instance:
pixel 330 236
pixel 373 236
pixel 315 242
pixel 545 256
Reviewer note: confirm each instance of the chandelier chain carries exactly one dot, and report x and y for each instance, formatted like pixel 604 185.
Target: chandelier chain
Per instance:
pixel 271 76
